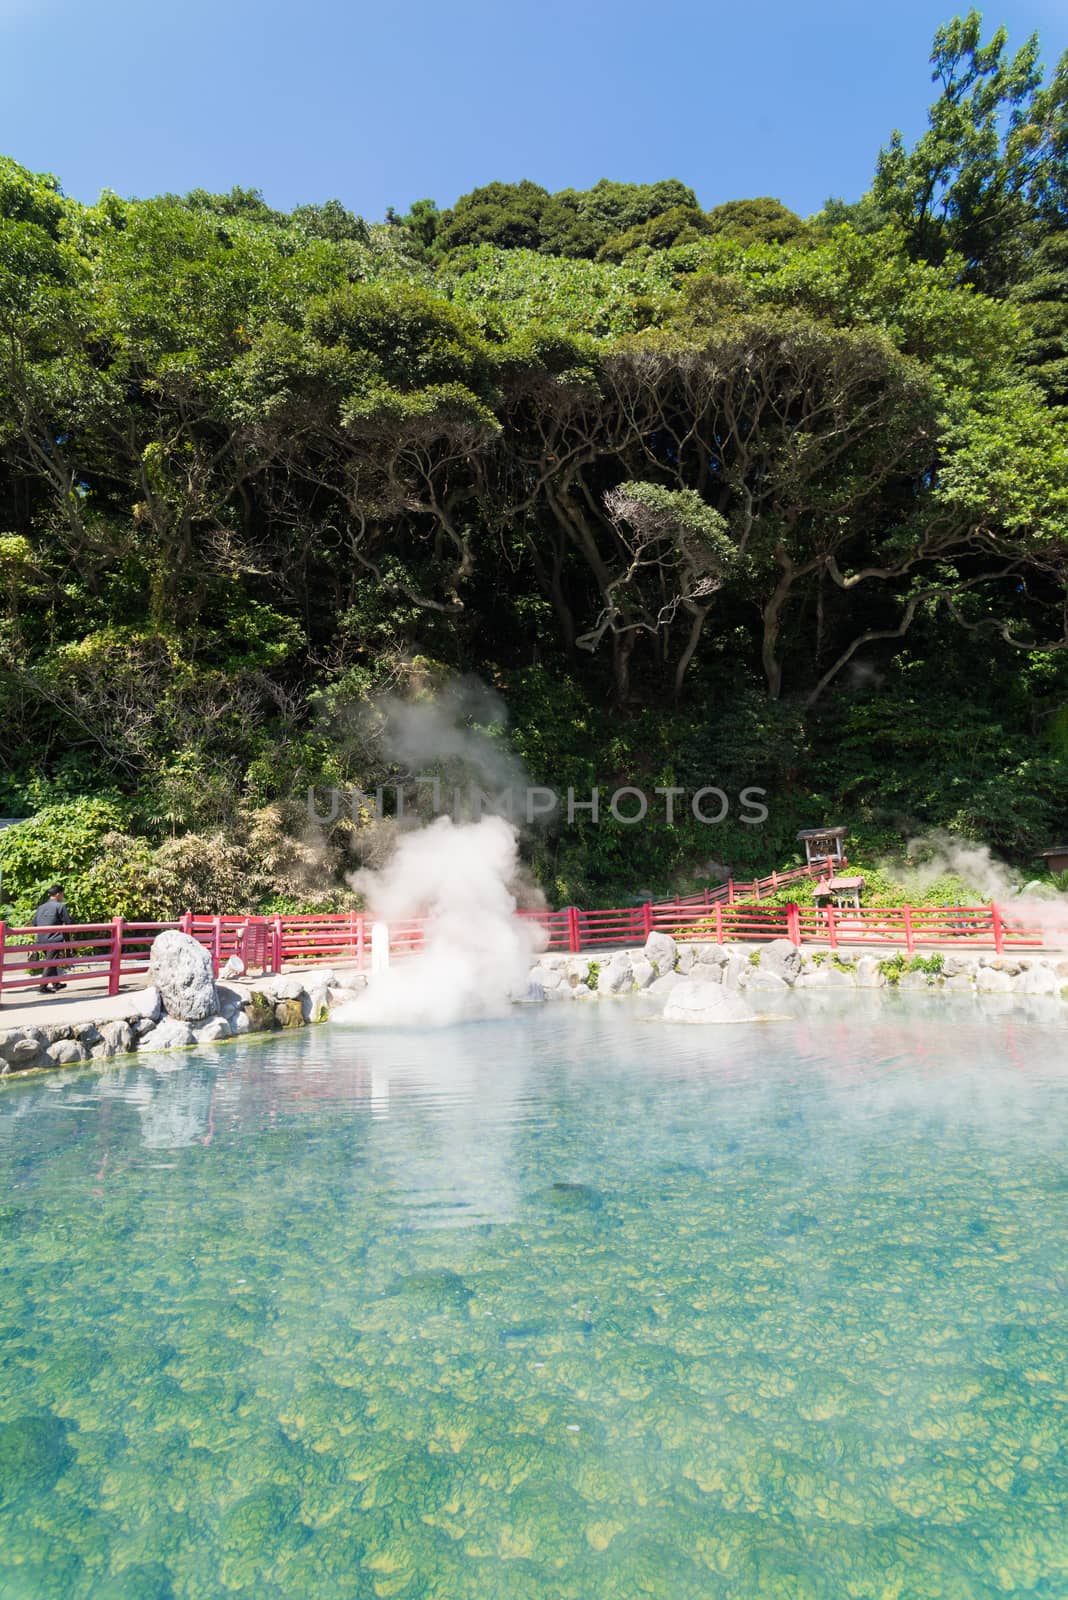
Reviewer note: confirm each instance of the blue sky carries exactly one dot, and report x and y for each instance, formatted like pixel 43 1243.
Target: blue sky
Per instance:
pixel 383 103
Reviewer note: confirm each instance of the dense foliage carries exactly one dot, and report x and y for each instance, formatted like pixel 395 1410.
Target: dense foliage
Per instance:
pixel 725 497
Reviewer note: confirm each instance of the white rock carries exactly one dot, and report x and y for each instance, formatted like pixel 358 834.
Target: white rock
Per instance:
pixel 546 978
pixel 685 958
pixel 117 1038
pixel 661 951
pixel 711 954
pixel 577 970
pixel 991 980
pixel 697 1002
pixel 315 1004
pixel 617 977
pixel 146 1003
pixel 665 985
pixel 214 1028
pixel 766 980
pixel 641 972
pixel 1038 979
pixel 180 969
pixel 287 986
pixel 962 982
pixel 781 956
pixel 66 1052
pixel 708 972
pixel 868 974
pixel 240 1023
pixel 170 1034
pixel 736 973
pixel 582 991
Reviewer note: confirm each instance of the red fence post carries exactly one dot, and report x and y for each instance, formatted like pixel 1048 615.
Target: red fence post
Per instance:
pixel 216 944
pixel 996 924
pixel 115 963
pixel 793 923
pixel 185 922
pixel 3 957
pixel 574 942
pixel 719 923
pixel 647 918
pixel 832 931
pixel 910 941
pixel 276 952
pixel 730 891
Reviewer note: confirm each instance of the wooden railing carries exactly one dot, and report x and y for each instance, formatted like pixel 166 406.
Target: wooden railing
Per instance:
pixel 107 953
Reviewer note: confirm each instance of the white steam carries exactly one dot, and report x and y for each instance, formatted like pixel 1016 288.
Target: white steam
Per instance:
pixel 992 881
pixel 476 952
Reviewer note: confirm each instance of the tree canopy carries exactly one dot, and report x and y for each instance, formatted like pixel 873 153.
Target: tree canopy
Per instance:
pixel 613 452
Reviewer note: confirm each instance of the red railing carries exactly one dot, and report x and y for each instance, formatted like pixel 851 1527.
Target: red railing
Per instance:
pixel 108 952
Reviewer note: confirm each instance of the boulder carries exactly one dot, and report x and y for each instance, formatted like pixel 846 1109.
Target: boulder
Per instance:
pixel 993 980
pixel 21 1047
pixel 546 978
pixel 1038 979
pixel 214 1029
pixel 716 955
pixel 617 977
pixel 230 1001
pixel 86 1033
pixel 289 1013
pixel 736 973
pixel 667 984
pixel 782 957
pixel 53 1032
pixel 660 949
pixel 240 1023
pixel 66 1053
pixel 869 975
pixel 147 1003
pixel 116 1038
pixel 142 1025
pixel 685 958
pixel 180 969
pixel 577 970
pixel 641 972
pixel 708 972
pixel 697 1002
pixel 260 1012
pixel 961 982
pixel 316 1005
pixel 759 979
pixel 288 986
pixel 170 1034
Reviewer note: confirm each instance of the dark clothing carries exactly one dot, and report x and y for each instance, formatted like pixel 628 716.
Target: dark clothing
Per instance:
pixel 51 916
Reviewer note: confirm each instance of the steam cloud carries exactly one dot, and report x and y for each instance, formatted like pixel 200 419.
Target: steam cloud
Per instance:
pixel 465 879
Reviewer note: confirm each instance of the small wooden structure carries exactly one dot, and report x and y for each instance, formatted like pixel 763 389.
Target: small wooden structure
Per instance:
pixel 1056 858
pixel 841 892
pixel 823 844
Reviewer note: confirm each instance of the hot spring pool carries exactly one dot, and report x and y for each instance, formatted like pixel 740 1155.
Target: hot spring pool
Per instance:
pixel 566 1307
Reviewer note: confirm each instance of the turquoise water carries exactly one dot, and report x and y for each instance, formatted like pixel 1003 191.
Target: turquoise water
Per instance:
pixel 567 1307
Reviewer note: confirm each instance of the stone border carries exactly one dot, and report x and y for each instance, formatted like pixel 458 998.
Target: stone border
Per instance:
pixel 286 1001
pixel 775 967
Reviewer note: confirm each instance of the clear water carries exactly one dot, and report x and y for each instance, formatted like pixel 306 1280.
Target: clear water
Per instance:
pixel 567 1307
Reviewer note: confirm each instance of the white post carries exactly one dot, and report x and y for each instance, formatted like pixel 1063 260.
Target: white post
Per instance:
pixel 379 947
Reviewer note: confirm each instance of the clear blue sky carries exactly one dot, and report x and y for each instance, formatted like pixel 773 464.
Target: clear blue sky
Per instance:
pixel 381 102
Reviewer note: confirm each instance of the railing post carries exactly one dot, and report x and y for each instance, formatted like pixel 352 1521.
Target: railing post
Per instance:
pixel 793 923
pixel 910 941
pixel 574 942
pixel 352 931
pixel 996 924
pixel 832 930
pixel 185 922
pixel 3 956
pixel 647 918
pixel 774 883
pixel 216 945
pixel 276 941
pixel 719 923
pixel 115 963
pixel 360 940
pixel 708 900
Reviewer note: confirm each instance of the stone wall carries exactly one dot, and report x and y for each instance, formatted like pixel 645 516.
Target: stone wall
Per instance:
pixel 765 969
pixel 270 1004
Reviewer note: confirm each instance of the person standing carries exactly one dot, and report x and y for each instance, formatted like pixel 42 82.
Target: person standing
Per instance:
pixel 51 916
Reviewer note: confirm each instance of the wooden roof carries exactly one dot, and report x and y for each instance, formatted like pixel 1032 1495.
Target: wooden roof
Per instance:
pixel 821 833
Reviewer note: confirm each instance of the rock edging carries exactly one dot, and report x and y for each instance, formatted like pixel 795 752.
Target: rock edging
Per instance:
pixel 289 1000
pixel 661 964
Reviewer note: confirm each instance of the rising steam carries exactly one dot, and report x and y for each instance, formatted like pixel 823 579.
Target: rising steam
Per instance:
pixel 463 878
